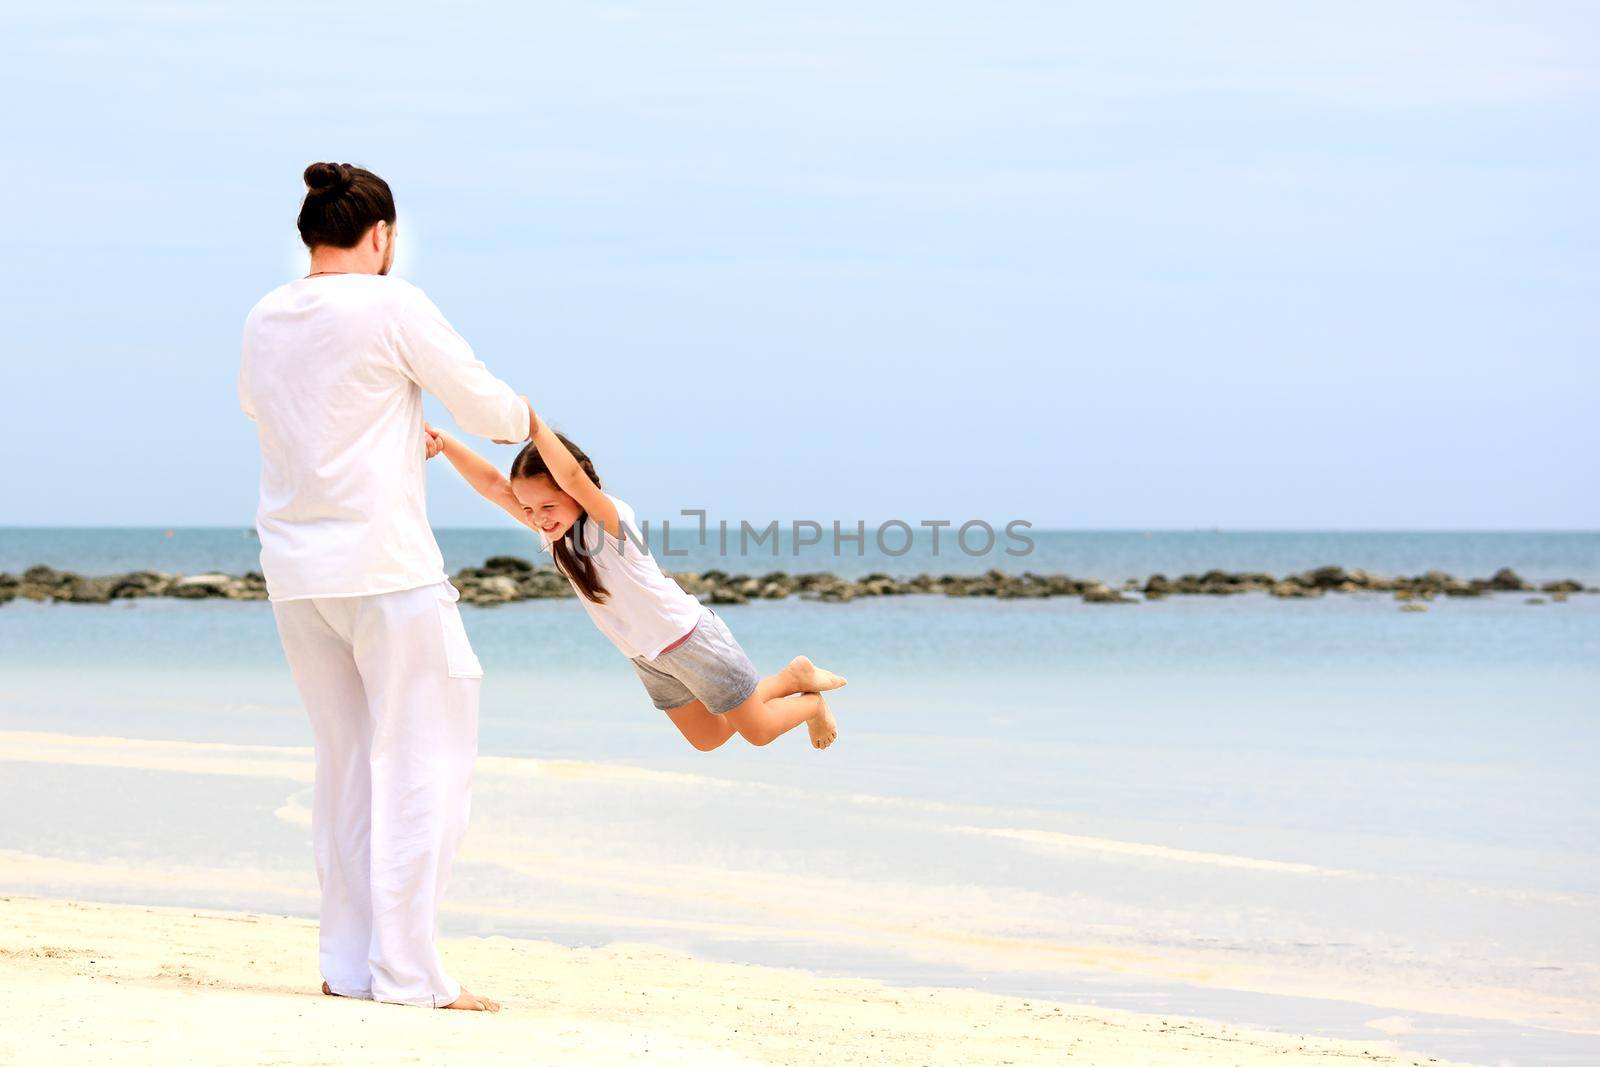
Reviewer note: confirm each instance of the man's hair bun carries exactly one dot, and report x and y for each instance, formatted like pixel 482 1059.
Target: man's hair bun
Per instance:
pixel 329 178
pixel 342 202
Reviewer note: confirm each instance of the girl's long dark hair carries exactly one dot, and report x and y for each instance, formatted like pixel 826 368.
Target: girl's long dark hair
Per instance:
pixel 570 557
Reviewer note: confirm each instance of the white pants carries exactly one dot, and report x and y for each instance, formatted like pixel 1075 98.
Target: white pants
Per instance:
pixel 391 686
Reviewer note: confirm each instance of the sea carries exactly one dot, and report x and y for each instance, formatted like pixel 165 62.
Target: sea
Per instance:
pixel 1322 816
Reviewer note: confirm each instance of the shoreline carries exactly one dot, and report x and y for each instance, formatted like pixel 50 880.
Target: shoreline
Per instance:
pixel 508 579
pixel 108 982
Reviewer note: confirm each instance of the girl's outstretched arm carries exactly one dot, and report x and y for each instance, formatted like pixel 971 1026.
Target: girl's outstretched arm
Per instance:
pixel 478 473
pixel 571 477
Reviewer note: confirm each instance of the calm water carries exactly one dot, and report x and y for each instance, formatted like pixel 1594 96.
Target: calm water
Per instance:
pixel 1328 815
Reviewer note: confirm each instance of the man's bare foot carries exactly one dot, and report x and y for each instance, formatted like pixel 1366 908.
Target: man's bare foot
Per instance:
pixel 811 678
pixel 823 728
pixel 472 1002
pixel 327 991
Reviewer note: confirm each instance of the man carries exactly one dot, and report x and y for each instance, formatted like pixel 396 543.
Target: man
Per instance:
pixel 332 372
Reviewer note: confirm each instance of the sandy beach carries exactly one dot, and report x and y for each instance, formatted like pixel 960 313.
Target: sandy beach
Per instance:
pixel 134 985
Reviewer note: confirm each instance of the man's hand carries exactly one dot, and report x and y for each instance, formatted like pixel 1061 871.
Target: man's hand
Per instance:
pixel 433 442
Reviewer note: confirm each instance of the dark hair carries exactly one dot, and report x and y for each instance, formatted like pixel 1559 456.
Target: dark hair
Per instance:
pixel 342 202
pixel 570 555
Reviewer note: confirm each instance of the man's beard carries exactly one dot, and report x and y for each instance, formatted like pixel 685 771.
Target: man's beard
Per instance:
pixel 388 259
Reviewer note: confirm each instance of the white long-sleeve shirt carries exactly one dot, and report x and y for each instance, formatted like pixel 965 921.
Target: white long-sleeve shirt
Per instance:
pixel 332 372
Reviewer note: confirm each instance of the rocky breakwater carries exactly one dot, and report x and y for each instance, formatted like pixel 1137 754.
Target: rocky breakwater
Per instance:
pixel 46 583
pixel 505 579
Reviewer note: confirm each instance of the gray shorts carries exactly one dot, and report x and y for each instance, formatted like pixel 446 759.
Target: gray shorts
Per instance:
pixel 709 667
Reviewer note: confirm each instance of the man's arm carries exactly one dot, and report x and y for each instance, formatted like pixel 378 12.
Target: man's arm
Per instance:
pixel 439 360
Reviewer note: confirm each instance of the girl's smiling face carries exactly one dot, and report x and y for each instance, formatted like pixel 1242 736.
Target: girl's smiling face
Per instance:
pixel 545 505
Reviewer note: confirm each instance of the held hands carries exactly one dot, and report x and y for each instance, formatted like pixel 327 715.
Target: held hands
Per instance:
pixel 432 443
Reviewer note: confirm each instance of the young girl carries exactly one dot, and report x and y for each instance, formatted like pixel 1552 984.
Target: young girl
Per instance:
pixel 690 664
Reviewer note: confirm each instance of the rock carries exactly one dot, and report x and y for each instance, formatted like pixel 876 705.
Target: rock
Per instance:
pixel 774 585
pixel 1559 598
pixel 1325 577
pixel 140 584
pixel 1295 589
pixel 509 565
pixel 1413 606
pixel 45 583
pixel 200 586
pixel 1022 591
pixel 813 581
pixel 727 595
pixel 490 591
pixel 1534 600
pixel 545 583
pixel 837 592
pixel 966 586
pixel 249 587
pixel 1157 584
pixel 82 590
pixel 693 584
pixel 1565 585
pixel 1433 580
pixel 1509 581
pixel 1100 593
pixel 1227 588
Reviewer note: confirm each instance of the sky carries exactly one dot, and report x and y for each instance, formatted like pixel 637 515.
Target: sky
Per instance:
pixel 1142 265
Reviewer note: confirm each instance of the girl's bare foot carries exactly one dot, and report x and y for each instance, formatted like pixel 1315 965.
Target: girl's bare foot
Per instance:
pixel 811 678
pixel 823 728
pixel 472 1002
